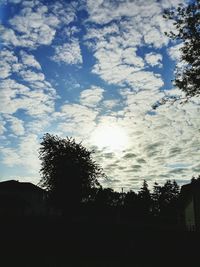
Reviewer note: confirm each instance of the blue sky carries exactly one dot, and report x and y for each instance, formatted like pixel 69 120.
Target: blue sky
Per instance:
pixel 93 70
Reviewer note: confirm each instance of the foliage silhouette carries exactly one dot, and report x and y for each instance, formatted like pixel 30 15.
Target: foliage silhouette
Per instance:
pixel 187 24
pixel 68 171
pixel 165 200
pixel 195 180
pixel 145 199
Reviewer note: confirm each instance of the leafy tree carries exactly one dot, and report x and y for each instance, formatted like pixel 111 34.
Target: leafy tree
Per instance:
pixel 187 23
pixel 68 171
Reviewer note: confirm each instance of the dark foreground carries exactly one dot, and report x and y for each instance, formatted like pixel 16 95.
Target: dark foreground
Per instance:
pixel 56 243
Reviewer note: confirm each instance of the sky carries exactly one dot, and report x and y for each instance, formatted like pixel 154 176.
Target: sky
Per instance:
pixel 93 70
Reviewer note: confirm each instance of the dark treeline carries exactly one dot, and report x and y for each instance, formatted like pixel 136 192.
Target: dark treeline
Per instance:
pixel 161 206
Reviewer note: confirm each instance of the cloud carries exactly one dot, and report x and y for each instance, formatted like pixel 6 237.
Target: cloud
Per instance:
pixel 30 29
pixel 117 58
pixel 105 11
pixel 117 43
pixel 36 24
pixel 8 61
pixel 91 97
pixel 25 155
pixel 76 120
pixel 175 52
pixel 29 60
pixel 129 155
pixel 117 66
pixel 111 103
pixel 2 126
pixel 16 125
pixel 68 53
pixel 16 96
pixel 154 59
pixel 64 11
pixel 31 76
pixel 23 85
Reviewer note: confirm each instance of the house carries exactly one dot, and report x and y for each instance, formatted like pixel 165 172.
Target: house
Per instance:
pixel 190 203
pixel 22 199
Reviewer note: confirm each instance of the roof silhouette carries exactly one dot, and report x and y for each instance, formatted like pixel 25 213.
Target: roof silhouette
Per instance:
pixel 14 185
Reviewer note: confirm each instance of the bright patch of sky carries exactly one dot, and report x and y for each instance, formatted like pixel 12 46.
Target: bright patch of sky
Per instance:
pixel 93 70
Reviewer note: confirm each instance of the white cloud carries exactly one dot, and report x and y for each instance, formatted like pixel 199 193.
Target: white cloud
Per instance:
pixel 31 76
pixel 155 37
pixel 76 120
pixel 116 65
pixel 7 63
pixel 25 155
pixel 39 125
pixel 117 46
pixel 129 57
pixel 33 93
pixel 64 11
pixel 175 52
pixel 91 97
pixel 30 28
pixel 154 59
pixel 8 36
pixel 10 157
pixel 37 23
pixel 110 104
pixel 29 60
pixel 104 11
pixel 69 53
pixel 16 125
pixel 15 96
pixel 36 27
pixel 2 126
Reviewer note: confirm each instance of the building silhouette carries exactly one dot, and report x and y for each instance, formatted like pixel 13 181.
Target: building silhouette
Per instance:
pixel 22 199
pixel 190 203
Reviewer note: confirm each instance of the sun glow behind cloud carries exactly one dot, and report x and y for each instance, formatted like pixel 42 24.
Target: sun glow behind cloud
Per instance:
pixel 112 138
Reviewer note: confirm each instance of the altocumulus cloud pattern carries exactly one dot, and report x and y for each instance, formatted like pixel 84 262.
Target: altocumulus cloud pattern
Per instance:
pixel 93 70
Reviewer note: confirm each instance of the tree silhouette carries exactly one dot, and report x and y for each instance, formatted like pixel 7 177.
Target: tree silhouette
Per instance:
pixel 145 198
pixel 187 24
pixel 195 180
pixel 165 200
pixel 68 171
pixel 132 208
pixel 156 196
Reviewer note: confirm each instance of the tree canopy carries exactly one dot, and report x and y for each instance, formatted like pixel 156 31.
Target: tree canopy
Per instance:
pixel 68 171
pixel 187 24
